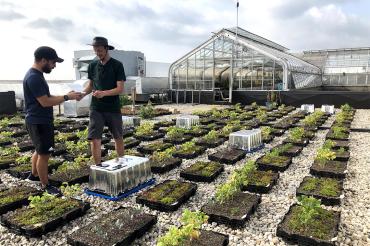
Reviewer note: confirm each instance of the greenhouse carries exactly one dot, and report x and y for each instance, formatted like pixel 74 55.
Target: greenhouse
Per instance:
pixel 235 59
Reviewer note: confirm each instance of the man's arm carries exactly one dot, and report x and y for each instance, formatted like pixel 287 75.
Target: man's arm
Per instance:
pixel 47 101
pixel 113 92
pixel 88 89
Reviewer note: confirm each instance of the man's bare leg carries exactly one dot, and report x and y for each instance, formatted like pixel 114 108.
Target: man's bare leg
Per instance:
pixel 120 147
pixel 42 168
pixel 96 150
pixel 34 159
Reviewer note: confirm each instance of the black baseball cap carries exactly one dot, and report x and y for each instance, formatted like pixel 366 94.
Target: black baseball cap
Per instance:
pixel 47 53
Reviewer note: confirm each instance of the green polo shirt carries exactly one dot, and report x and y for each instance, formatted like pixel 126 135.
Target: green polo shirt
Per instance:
pixel 105 77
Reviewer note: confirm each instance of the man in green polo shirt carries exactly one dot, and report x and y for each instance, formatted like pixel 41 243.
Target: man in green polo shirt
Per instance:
pixel 106 77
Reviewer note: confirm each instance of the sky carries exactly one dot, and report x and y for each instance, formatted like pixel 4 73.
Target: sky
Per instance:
pixel 165 30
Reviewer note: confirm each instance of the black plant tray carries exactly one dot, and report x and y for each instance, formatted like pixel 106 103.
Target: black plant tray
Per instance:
pixel 341 144
pixel 24 174
pixel 147 150
pixel 302 143
pixel 167 165
pixel 201 178
pixel 198 134
pixel 134 227
pixel 329 170
pixel 261 189
pixel 152 137
pixel 25 146
pixel 268 139
pixel 330 136
pixel 131 144
pixel 19 203
pixel 184 139
pixel 206 121
pixel 128 133
pixel 209 238
pixel 245 204
pixel 282 126
pixel 292 237
pixel 59 150
pixel 270 166
pixel 50 225
pixel 342 156
pixel 278 132
pixel 214 144
pixel 293 151
pixel 326 200
pixel 20 133
pixel 227 156
pixel 6 164
pixel 167 207
pixel 192 155
pixel 5 143
pixel 83 177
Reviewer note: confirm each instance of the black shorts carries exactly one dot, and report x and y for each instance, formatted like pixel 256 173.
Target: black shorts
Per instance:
pixel 42 136
pixel 100 119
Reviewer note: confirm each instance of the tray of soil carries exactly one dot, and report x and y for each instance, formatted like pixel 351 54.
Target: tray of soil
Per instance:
pixel 129 143
pixel 321 230
pixel 282 125
pixel 202 171
pixel 274 162
pixel 267 139
pixel 163 161
pixel 180 140
pixel 290 149
pixel 298 142
pixel 119 227
pixel 5 161
pixel 206 121
pixel 13 198
pixel 209 238
pixel 188 150
pixel 25 146
pixel 210 144
pixel 154 146
pixel 277 132
pixel 151 137
pixel 167 196
pixel 333 136
pixel 328 190
pixel 341 155
pixel 46 214
pixel 260 181
pixel 23 170
pixel 235 211
pixel 71 172
pixel 197 131
pixel 338 144
pixel 330 169
pixel 164 124
pixel 128 133
pixel 227 155
pixel 59 149
pixel 4 142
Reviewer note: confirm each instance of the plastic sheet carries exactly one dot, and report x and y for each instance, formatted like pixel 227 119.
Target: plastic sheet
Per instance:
pixel 187 121
pixel 310 108
pixel 327 109
pixel 246 139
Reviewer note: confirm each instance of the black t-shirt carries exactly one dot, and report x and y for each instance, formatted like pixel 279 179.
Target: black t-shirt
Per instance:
pixel 105 77
pixel 34 85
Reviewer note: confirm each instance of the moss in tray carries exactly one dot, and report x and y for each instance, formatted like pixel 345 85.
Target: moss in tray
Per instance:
pixel 47 208
pixel 204 168
pixel 275 160
pixel 12 195
pixel 259 178
pixel 320 226
pixel 324 186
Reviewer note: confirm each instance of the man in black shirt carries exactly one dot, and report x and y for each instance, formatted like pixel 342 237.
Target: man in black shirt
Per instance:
pixel 39 113
pixel 106 76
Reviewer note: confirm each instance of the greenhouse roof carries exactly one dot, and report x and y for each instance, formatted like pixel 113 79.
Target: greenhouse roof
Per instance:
pixel 256 38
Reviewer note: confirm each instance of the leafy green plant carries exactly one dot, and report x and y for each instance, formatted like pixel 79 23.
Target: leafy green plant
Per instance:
pixel 124 100
pixel 25 159
pixel 310 208
pixel 79 148
pixel 296 134
pixel 339 132
pixel 329 144
pixel 63 136
pixel 187 147
pixel 9 151
pixel 145 129
pixel 266 131
pixel 161 156
pixel 233 115
pixel 261 115
pixel 77 164
pixel 4 122
pixel 6 136
pixel 309 120
pixel 147 112
pixel 82 135
pixel 324 155
pixel 190 230
pixel 346 107
pixel 211 136
pixel 176 132
pixel 71 190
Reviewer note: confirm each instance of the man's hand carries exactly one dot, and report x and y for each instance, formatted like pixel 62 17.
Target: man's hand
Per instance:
pixel 98 94
pixel 72 95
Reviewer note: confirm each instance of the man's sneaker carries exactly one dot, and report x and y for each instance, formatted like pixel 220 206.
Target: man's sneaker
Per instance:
pixel 33 178
pixel 52 190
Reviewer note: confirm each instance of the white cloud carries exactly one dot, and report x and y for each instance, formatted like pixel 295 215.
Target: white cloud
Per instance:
pixel 167 29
